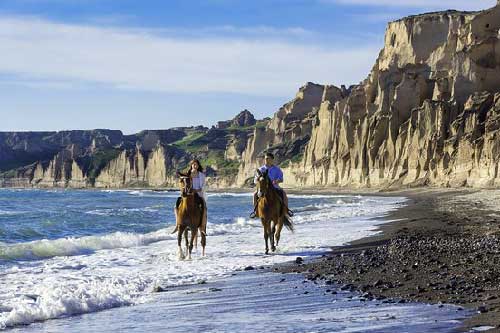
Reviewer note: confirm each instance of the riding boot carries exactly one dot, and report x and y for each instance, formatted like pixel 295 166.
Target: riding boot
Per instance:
pixel 255 202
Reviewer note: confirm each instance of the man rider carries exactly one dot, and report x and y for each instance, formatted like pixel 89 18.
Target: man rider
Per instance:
pixel 276 176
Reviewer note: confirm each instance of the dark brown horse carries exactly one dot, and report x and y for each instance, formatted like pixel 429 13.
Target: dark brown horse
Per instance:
pixel 271 210
pixel 189 217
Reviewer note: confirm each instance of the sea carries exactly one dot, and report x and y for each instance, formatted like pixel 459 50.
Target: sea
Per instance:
pixel 94 261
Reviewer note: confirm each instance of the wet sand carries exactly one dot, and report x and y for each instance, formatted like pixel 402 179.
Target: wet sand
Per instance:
pixel 259 301
pixel 443 247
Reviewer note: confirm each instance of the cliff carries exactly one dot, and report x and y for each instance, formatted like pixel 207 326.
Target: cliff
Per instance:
pixel 109 159
pixel 427 114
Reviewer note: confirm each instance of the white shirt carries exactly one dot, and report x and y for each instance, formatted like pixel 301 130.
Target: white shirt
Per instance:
pixel 199 183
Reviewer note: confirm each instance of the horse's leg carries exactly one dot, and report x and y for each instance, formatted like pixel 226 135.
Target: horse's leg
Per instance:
pixel 271 234
pixel 180 232
pixel 193 236
pixel 203 230
pixel 279 226
pixel 203 242
pixel 186 238
pixel 266 226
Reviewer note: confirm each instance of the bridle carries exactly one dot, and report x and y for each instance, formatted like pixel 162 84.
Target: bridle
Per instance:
pixel 263 178
pixel 187 186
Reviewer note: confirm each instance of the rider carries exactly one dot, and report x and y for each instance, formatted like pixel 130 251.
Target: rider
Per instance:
pixel 276 176
pixel 198 186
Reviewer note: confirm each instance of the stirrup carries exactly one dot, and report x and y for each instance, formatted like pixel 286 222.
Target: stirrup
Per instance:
pixel 253 215
pixel 290 213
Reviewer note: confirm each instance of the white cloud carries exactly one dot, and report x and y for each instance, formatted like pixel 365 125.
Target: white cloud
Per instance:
pixel 430 4
pixel 127 59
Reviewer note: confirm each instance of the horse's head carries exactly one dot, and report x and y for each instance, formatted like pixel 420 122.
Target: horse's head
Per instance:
pixel 263 183
pixel 185 184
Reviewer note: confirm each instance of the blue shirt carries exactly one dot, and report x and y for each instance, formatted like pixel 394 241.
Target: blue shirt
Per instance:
pixel 274 173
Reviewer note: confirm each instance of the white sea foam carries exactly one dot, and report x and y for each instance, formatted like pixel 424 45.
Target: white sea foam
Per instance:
pixel 88 274
pixel 322 196
pixel 11 212
pixel 77 246
pixel 144 193
pixel 229 194
pixel 123 211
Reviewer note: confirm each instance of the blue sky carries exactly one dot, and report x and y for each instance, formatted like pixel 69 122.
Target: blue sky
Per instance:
pixel 152 64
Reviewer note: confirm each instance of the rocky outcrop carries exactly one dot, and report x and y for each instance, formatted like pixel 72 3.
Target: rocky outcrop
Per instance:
pixel 109 159
pixel 292 123
pixel 427 113
pixel 79 159
pixel 139 168
pixel 243 119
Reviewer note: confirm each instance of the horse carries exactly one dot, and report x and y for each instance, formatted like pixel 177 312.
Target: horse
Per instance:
pixel 271 210
pixel 189 217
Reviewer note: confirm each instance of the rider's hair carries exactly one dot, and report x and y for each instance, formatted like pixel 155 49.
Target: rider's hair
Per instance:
pixel 269 155
pixel 200 168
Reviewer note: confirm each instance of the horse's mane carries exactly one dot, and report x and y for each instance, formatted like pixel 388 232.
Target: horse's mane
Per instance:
pixel 270 185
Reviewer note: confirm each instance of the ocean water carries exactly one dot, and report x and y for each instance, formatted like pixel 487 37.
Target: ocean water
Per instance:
pixel 66 256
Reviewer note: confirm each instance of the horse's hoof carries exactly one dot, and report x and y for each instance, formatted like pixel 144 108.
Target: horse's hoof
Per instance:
pixel 267 251
pixel 273 248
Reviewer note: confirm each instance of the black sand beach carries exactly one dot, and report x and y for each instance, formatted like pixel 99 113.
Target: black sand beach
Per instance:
pixel 443 247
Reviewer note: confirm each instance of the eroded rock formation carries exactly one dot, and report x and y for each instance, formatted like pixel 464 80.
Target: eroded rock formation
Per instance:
pixel 426 114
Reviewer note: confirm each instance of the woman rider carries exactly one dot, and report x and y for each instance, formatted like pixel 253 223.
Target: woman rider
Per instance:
pixel 197 186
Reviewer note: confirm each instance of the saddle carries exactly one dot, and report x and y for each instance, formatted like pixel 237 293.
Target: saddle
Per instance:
pixel 199 202
pixel 281 195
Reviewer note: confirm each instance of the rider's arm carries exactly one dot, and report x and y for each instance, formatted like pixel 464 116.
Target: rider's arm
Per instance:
pixel 256 177
pixel 202 181
pixel 279 176
pixel 201 177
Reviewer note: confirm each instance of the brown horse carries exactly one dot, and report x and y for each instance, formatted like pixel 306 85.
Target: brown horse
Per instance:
pixel 271 210
pixel 189 217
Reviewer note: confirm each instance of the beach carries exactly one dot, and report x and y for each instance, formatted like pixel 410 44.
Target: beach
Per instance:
pixel 415 261
pixel 68 253
pixel 440 248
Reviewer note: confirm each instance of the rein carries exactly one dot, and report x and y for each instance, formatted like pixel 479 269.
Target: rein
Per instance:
pixel 269 185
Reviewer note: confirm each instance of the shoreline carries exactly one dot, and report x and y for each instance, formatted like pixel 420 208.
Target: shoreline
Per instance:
pixel 244 302
pixel 442 247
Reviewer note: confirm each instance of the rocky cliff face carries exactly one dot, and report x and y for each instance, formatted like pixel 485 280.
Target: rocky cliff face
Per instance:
pixel 109 159
pixel 101 158
pixel 426 114
pixel 286 133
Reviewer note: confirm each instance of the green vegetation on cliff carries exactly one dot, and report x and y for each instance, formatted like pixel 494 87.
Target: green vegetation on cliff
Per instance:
pixel 94 163
pixel 187 143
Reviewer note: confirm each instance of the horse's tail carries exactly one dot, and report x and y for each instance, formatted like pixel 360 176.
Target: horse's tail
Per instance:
pixel 175 230
pixel 287 221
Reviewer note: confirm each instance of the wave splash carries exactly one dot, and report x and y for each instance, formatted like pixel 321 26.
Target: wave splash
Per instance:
pixel 77 246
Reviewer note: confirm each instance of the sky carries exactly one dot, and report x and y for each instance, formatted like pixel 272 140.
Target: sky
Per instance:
pixel 155 64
